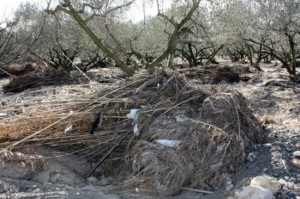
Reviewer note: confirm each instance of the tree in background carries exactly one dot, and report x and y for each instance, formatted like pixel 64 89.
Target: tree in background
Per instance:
pixel 259 30
pixel 13 44
pixel 192 29
pixel 280 25
pixel 85 12
pixel 179 27
pixel 106 11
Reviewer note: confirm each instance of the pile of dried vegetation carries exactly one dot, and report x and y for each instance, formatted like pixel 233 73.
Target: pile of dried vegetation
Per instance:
pixel 179 135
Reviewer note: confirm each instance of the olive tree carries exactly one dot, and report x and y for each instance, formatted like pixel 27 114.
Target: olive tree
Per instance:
pixel 13 46
pixel 86 11
pixel 107 13
pixel 280 24
pixel 8 43
pixel 199 39
pixel 58 40
pixel 178 23
pixel 233 21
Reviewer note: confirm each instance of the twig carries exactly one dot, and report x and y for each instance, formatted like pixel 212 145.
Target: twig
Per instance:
pixel 284 164
pixel 112 148
pixel 197 190
pixel 7 73
pixel 77 67
pixel 10 147
pixel 239 121
pixel 165 84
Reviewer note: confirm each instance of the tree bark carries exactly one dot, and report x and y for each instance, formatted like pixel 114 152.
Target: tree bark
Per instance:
pixel 174 36
pixel 285 63
pixel 83 24
pixel 293 53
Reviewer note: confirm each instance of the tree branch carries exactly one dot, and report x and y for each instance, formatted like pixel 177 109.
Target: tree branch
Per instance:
pixel 174 36
pixel 121 48
pixel 105 13
pixel 83 24
pixel 170 20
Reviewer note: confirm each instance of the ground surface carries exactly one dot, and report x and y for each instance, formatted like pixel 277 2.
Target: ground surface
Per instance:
pixel 273 99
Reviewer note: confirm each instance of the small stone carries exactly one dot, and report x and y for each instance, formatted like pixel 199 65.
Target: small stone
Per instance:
pixel 251 157
pixel 290 184
pixel 37 190
pixel 267 182
pixel 285 153
pixel 103 181
pixel 296 154
pixel 122 197
pixel 228 182
pixel 289 150
pixel 229 187
pixel 295 163
pixel 268 145
pixel 3 115
pixel 265 170
pixel 298 178
pixel 232 168
pixel 92 180
pixel 255 192
pixel 89 187
pixel 281 195
pixel 257 146
pixel 291 194
pixel 282 181
pixel 278 194
pixel 292 179
pixel 286 177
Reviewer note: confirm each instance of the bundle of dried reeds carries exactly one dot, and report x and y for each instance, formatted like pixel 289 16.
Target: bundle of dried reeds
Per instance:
pixel 169 109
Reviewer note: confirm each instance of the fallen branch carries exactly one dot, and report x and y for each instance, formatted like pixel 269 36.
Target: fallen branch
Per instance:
pixel 10 147
pixel 197 190
pixel 81 72
pixel 112 148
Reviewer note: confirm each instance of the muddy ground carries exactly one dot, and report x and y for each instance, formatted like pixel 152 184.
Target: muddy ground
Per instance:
pixel 274 100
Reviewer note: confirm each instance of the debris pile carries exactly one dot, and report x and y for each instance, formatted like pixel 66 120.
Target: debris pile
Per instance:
pixel 181 136
pixel 196 149
pixel 36 79
pixel 212 74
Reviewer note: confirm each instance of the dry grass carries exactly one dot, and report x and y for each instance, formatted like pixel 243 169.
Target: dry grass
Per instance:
pixel 215 132
pixel 213 142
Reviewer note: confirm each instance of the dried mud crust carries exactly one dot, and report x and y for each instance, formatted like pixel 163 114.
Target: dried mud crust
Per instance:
pixel 274 106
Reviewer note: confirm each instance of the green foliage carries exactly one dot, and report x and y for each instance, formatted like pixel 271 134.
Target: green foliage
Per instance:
pixel 237 29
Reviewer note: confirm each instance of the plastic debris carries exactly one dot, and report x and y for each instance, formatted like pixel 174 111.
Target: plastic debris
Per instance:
pixel 134 114
pixel 169 143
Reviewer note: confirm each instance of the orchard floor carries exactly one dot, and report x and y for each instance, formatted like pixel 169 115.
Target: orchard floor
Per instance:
pixel 274 101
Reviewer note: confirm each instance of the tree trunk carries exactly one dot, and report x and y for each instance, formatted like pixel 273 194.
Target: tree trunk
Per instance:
pixel 212 56
pixel 174 36
pixel 83 24
pixel 293 54
pixel 289 65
